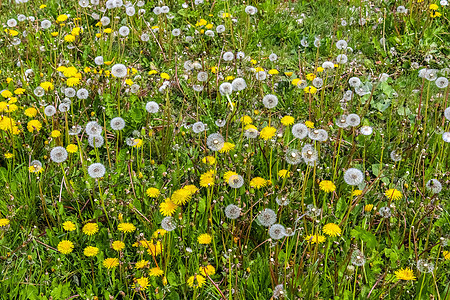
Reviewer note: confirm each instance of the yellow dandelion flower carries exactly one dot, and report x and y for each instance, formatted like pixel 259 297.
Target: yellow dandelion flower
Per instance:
pixel 287 120
pixel 309 124
pixel 405 274
pixel 30 112
pixel 54 33
pixel 393 194
pixel 19 91
pixel 227 175
pixel 90 228
pixel 69 226
pixel 126 227
pixel 356 193
pixel 191 188
pixel 332 229
pixel 434 6
pixel 258 182
pixel 4 222
pixel 153 192
pixel 310 90
pixel 118 245
pixel 246 120
pixel 207 179
pixel 47 86
pixel 196 281
pixel 227 147
pixel 141 264
pixel 65 247
pixel 181 196
pixel 273 72
pixel 267 132
pixel 327 186
pixel 284 173
pixel 90 251
pixel 154 249
pixel 141 284
pixel 55 133
pixel 315 239
pixel 111 262
pixel 62 18
pixel 165 76
pixel 73 81
pixel 69 38
pixel 8 155
pixel 368 207
pixel 167 208
pixel 446 255
pixel 72 148
pixel 156 272
pixel 208 269
pixel 204 239
pixel 34 125
pixel 320 69
pixel 310 76
pixel 209 160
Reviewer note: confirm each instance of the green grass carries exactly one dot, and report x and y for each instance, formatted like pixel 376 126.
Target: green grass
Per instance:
pixel 160 150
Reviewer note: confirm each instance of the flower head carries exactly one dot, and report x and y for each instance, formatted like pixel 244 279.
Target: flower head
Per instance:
pixel 126 227
pixel 156 272
pixel 65 247
pixel 196 281
pixel 287 120
pixel 141 264
pixel 208 269
pixel 283 173
pixel 393 194
pixel 69 226
pixel 4 222
pixel 153 192
pixel 332 229
pixel 90 251
pixel 118 245
pixel 327 186
pixel 267 132
pixel 258 182
pixel 90 228
pixel 315 239
pixel 405 274
pixel 204 239
pixel 111 262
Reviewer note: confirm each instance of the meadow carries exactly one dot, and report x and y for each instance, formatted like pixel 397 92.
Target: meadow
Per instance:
pixel 226 150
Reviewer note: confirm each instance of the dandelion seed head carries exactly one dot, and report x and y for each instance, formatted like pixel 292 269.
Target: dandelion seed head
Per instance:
pixel 93 128
pixel 49 110
pixel 58 154
pixel 293 156
pixel 226 88
pixel 119 70
pixel 434 186
pixel 168 223
pixel 300 130
pixel 267 217
pixel 96 170
pixel 358 258
pixel 270 101
pixel 236 181
pixel 232 211
pixel 277 231
pixel 353 176
pixel 95 141
pixel 425 266
pixel 385 212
